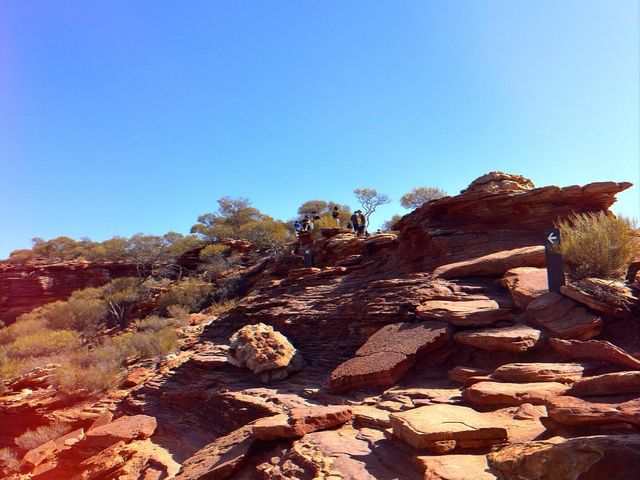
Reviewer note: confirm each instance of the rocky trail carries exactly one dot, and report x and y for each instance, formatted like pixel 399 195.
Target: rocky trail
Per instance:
pixel 432 353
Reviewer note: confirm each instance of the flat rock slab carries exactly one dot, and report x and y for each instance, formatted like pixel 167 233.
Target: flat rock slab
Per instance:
pixel 463 313
pixel 517 338
pixel 568 410
pixel 590 301
pixel 494 264
pixel 300 421
pixel 617 383
pixel 388 355
pixel 525 284
pixel 456 467
pixel 378 369
pixel 410 339
pixel 587 458
pixel 595 350
pixel 127 428
pixel 462 374
pixel 539 372
pixel 219 459
pixel 495 393
pixel 371 416
pixel 563 317
pixel 443 428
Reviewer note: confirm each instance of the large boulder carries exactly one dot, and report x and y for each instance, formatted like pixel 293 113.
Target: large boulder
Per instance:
pixel 443 428
pixel 567 410
pixel 586 458
pixel 525 284
pixel 265 352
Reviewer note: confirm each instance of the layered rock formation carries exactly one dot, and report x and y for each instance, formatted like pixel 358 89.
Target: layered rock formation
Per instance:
pixel 407 375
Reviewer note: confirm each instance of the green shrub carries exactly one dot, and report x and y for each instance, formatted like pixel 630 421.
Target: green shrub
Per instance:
pixel 190 293
pixel 596 245
pixel 95 377
pixel 41 435
pixel 44 342
pixel 179 313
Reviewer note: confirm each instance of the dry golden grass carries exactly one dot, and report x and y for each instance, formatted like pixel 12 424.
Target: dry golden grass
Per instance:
pixel 596 245
pixel 41 435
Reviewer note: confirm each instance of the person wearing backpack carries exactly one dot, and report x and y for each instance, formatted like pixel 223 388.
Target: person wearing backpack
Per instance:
pixel 354 221
pixel 362 223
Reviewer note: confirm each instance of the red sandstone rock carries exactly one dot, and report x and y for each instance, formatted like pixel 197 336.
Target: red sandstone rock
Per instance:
pixel 494 264
pixel 410 339
pixel 525 284
pixel 593 303
pixel 463 313
pixel 517 338
pixel 220 459
pixel 377 369
pixel 39 454
pixel 446 427
pixel 595 350
pixel 455 467
pixel 562 317
pixel 587 458
pixel 567 410
pixel 608 384
pixel 539 372
pixel 300 421
pixel 494 393
pixel 135 377
pixel 127 428
pixel 462 374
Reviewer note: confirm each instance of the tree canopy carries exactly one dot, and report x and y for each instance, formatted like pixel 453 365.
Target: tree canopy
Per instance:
pixel 421 195
pixel 370 199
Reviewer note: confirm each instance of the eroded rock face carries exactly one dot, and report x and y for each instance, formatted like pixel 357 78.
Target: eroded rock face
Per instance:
pixel 539 372
pixel 525 284
pixel 464 312
pixel 562 317
pixel 587 458
pixel 568 410
pixel 263 351
pixel 595 350
pixel 608 384
pixel 135 427
pixel 494 264
pixel 443 428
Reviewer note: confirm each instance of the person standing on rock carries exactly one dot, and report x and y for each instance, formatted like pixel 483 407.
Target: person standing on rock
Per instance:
pixel 354 221
pixel 305 223
pixel 362 223
pixel 336 215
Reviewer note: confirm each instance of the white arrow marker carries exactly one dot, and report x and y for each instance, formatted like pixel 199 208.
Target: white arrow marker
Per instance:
pixel 552 237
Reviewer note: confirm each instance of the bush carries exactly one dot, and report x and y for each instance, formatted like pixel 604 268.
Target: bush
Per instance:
pixel 98 376
pixel 9 461
pixel 41 435
pixel 190 293
pixel 44 342
pixel 596 245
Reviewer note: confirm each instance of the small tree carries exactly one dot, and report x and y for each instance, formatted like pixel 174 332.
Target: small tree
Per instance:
pixel 421 195
pixel 370 199
pixel 232 216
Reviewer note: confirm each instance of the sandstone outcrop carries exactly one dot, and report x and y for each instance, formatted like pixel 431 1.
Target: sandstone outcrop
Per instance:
pixel 265 352
pixel 568 410
pixel 539 372
pixel 595 350
pixel 300 421
pixel 616 383
pixel 388 354
pixel 517 338
pixel 525 284
pixel 442 428
pixel 496 393
pixel 586 458
pixel 464 312
pixel 563 318
pixel 494 264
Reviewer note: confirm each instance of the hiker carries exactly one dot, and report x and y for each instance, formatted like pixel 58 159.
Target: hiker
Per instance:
pixel 336 215
pixel 297 226
pixel 314 219
pixel 354 221
pixel 362 223
pixel 305 223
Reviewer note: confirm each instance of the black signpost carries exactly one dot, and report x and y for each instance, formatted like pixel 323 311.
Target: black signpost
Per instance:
pixel 555 266
pixel 308 259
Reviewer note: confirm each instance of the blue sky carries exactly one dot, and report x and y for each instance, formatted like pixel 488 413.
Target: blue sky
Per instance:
pixel 119 117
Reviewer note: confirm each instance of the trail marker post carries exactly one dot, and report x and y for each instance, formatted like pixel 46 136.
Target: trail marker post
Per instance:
pixel 555 265
pixel 308 258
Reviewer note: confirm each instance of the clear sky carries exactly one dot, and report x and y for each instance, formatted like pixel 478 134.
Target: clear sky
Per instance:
pixel 119 117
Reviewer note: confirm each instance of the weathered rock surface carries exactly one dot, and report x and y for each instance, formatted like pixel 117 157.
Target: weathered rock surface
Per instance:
pixel 388 354
pixel 525 284
pixel 443 428
pixel 609 297
pixel 595 350
pixel 562 317
pixel 585 458
pixel 495 393
pixel 539 372
pixel 575 411
pixel 608 384
pixel 465 312
pixel 517 338
pixel 494 264
pixel 300 421
pixel 456 467
pixel 135 427
pixel 264 351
